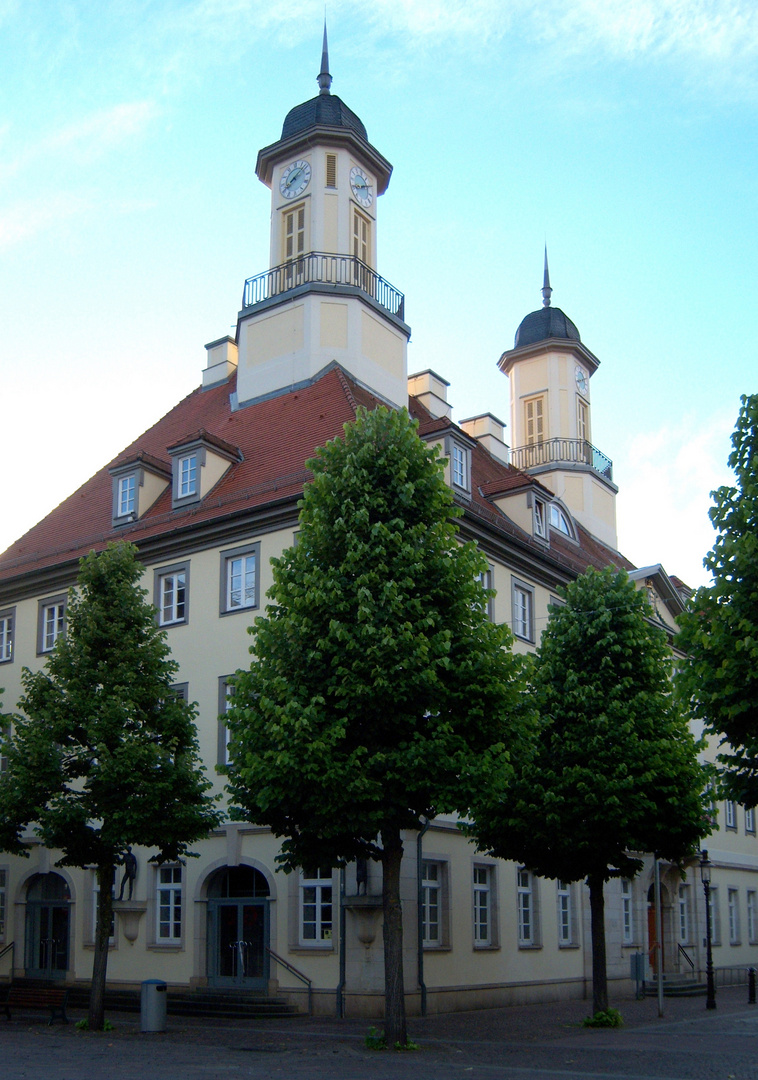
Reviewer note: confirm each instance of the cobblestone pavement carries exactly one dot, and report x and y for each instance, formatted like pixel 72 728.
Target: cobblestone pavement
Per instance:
pixel 536 1042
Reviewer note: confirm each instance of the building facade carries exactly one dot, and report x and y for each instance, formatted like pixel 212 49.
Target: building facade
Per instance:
pixel 209 495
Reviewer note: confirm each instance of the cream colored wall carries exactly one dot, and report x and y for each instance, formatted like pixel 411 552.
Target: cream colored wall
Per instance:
pixel 151 488
pixel 210 474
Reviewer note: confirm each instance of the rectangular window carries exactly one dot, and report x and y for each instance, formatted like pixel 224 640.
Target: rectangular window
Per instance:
pixel 750 820
pixel 534 420
pixel 627 913
pixel 3 900
pixel 482 905
pixel 240 578
pixel 540 524
pixel 683 911
pixel 486 582
pixel 7 621
pixel 523 611
pixel 294 233
pixel 730 814
pixel 126 495
pixel 316 905
pixel 582 420
pixel 458 458
pixel 51 622
pixel 172 594
pixel 225 693
pixel 169 905
pixel 431 907
pixel 187 481
pixel 734 916
pixel 526 907
pixel 715 915
pixel 361 237
pixel 565 913
pixel 331 170
pixel 752 916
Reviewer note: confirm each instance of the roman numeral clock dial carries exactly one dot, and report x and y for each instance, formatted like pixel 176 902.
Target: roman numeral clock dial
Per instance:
pixel 295 179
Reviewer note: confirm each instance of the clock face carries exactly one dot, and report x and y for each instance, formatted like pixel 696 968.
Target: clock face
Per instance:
pixel 581 381
pixel 361 186
pixel 295 179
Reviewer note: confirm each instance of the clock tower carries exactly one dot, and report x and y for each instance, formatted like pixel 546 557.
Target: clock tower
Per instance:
pixel 549 371
pixel 321 301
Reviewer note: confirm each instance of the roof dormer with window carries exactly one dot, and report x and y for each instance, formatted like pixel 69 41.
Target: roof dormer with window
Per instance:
pixel 137 483
pixel 199 462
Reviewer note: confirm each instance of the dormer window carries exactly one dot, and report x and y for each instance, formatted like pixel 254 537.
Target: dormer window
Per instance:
pixel 187 479
pixel 559 520
pixel 540 519
pixel 125 498
pixel 460 465
pixel 199 463
pixel 137 483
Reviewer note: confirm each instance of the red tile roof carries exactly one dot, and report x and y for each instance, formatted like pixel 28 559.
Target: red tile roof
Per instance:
pixel 276 437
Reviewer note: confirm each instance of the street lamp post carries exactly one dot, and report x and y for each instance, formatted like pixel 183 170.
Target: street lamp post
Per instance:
pixel 705 877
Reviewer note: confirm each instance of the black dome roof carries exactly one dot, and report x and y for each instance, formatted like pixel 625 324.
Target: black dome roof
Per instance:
pixel 546 322
pixel 324 110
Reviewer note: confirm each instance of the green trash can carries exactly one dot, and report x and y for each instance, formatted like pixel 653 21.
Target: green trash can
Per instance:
pixel 153 1005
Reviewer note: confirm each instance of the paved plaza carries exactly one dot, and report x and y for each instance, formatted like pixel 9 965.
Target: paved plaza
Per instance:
pixel 539 1041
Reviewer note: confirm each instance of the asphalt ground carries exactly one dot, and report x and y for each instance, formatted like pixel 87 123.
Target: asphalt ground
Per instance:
pixel 518 1043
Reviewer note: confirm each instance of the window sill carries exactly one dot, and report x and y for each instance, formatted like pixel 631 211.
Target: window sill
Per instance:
pixel 568 945
pixel 526 947
pixel 309 950
pixel 156 947
pixel 436 948
pixel 239 610
pixel 486 948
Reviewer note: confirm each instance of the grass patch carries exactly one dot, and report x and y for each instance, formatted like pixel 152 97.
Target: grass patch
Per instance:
pixel 605 1018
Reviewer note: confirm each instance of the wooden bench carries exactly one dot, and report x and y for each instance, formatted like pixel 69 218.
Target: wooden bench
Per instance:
pixel 43 997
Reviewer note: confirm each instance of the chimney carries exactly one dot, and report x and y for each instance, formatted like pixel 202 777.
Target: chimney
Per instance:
pixel 489 432
pixel 222 361
pixel 431 391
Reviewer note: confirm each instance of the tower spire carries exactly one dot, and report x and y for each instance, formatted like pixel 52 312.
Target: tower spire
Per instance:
pixel 324 78
pixel 547 292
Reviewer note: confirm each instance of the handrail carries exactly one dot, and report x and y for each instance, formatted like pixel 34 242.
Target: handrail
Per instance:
pixel 683 952
pixel 326 269
pixel 10 948
pixel 298 975
pixel 575 451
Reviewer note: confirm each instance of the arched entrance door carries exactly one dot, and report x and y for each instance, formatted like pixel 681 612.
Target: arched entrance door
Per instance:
pixel 47 927
pixel 238 928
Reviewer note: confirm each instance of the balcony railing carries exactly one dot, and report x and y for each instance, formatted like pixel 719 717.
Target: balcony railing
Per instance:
pixel 559 451
pixel 325 269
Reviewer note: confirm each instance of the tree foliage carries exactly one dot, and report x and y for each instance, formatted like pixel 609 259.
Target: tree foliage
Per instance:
pixel 720 629
pixel 105 753
pixel 380 693
pixel 613 768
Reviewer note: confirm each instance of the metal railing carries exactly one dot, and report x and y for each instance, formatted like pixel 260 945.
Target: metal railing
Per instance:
pixel 326 269
pixel 294 971
pixel 11 948
pixel 683 952
pixel 575 451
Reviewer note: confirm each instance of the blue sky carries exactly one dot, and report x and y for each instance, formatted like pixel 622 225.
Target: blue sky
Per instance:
pixel 624 135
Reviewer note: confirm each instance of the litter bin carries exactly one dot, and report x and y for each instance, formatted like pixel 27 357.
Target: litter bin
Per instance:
pixel 153 1005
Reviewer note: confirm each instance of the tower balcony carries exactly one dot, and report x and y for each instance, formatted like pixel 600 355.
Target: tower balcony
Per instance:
pixel 557 452
pixel 322 272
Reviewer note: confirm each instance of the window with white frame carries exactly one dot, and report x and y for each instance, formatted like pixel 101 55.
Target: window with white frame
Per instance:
pixel 730 814
pixel 565 913
pixel 482 905
pixel 240 570
pixel 168 901
pixel 752 916
pixel 186 483
pixel 126 495
pixel 51 622
pixel 225 694
pixel 540 519
pixel 733 907
pixel 750 820
pixel 523 610
pixel 627 912
pixel 3 900
pixel 431 902
pixel 559 520
pixel 7 628
pixel 683 912
pixel 316 916
pixel 486 582
pixel 527 907
pixel 172 594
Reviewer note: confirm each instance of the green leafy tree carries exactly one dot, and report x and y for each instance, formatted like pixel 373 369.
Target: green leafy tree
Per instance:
pixel 613 768
pixel 105 754
pixel 379 694
pixel 720 628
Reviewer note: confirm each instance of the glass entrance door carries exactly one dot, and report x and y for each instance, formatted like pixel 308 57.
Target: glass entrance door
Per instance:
pixel 238 934
pixel 46 940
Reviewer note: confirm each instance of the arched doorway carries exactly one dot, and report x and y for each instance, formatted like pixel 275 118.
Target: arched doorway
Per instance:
pixel 48 900
pixel 238 928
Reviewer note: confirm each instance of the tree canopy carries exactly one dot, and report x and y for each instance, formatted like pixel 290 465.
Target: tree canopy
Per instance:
pixel 720 628
pixel 380 694
pixel 613 769
pixel 105 752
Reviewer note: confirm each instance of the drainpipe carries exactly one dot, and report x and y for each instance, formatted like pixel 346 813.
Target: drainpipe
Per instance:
pixel 420 915
pixel 341 986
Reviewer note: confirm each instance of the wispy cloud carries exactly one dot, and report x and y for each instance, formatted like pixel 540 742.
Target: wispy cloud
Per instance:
pixel 20 222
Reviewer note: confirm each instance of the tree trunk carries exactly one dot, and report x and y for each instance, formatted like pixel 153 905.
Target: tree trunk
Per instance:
pixel 105 878
pixel 599 973
pixel 394 990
